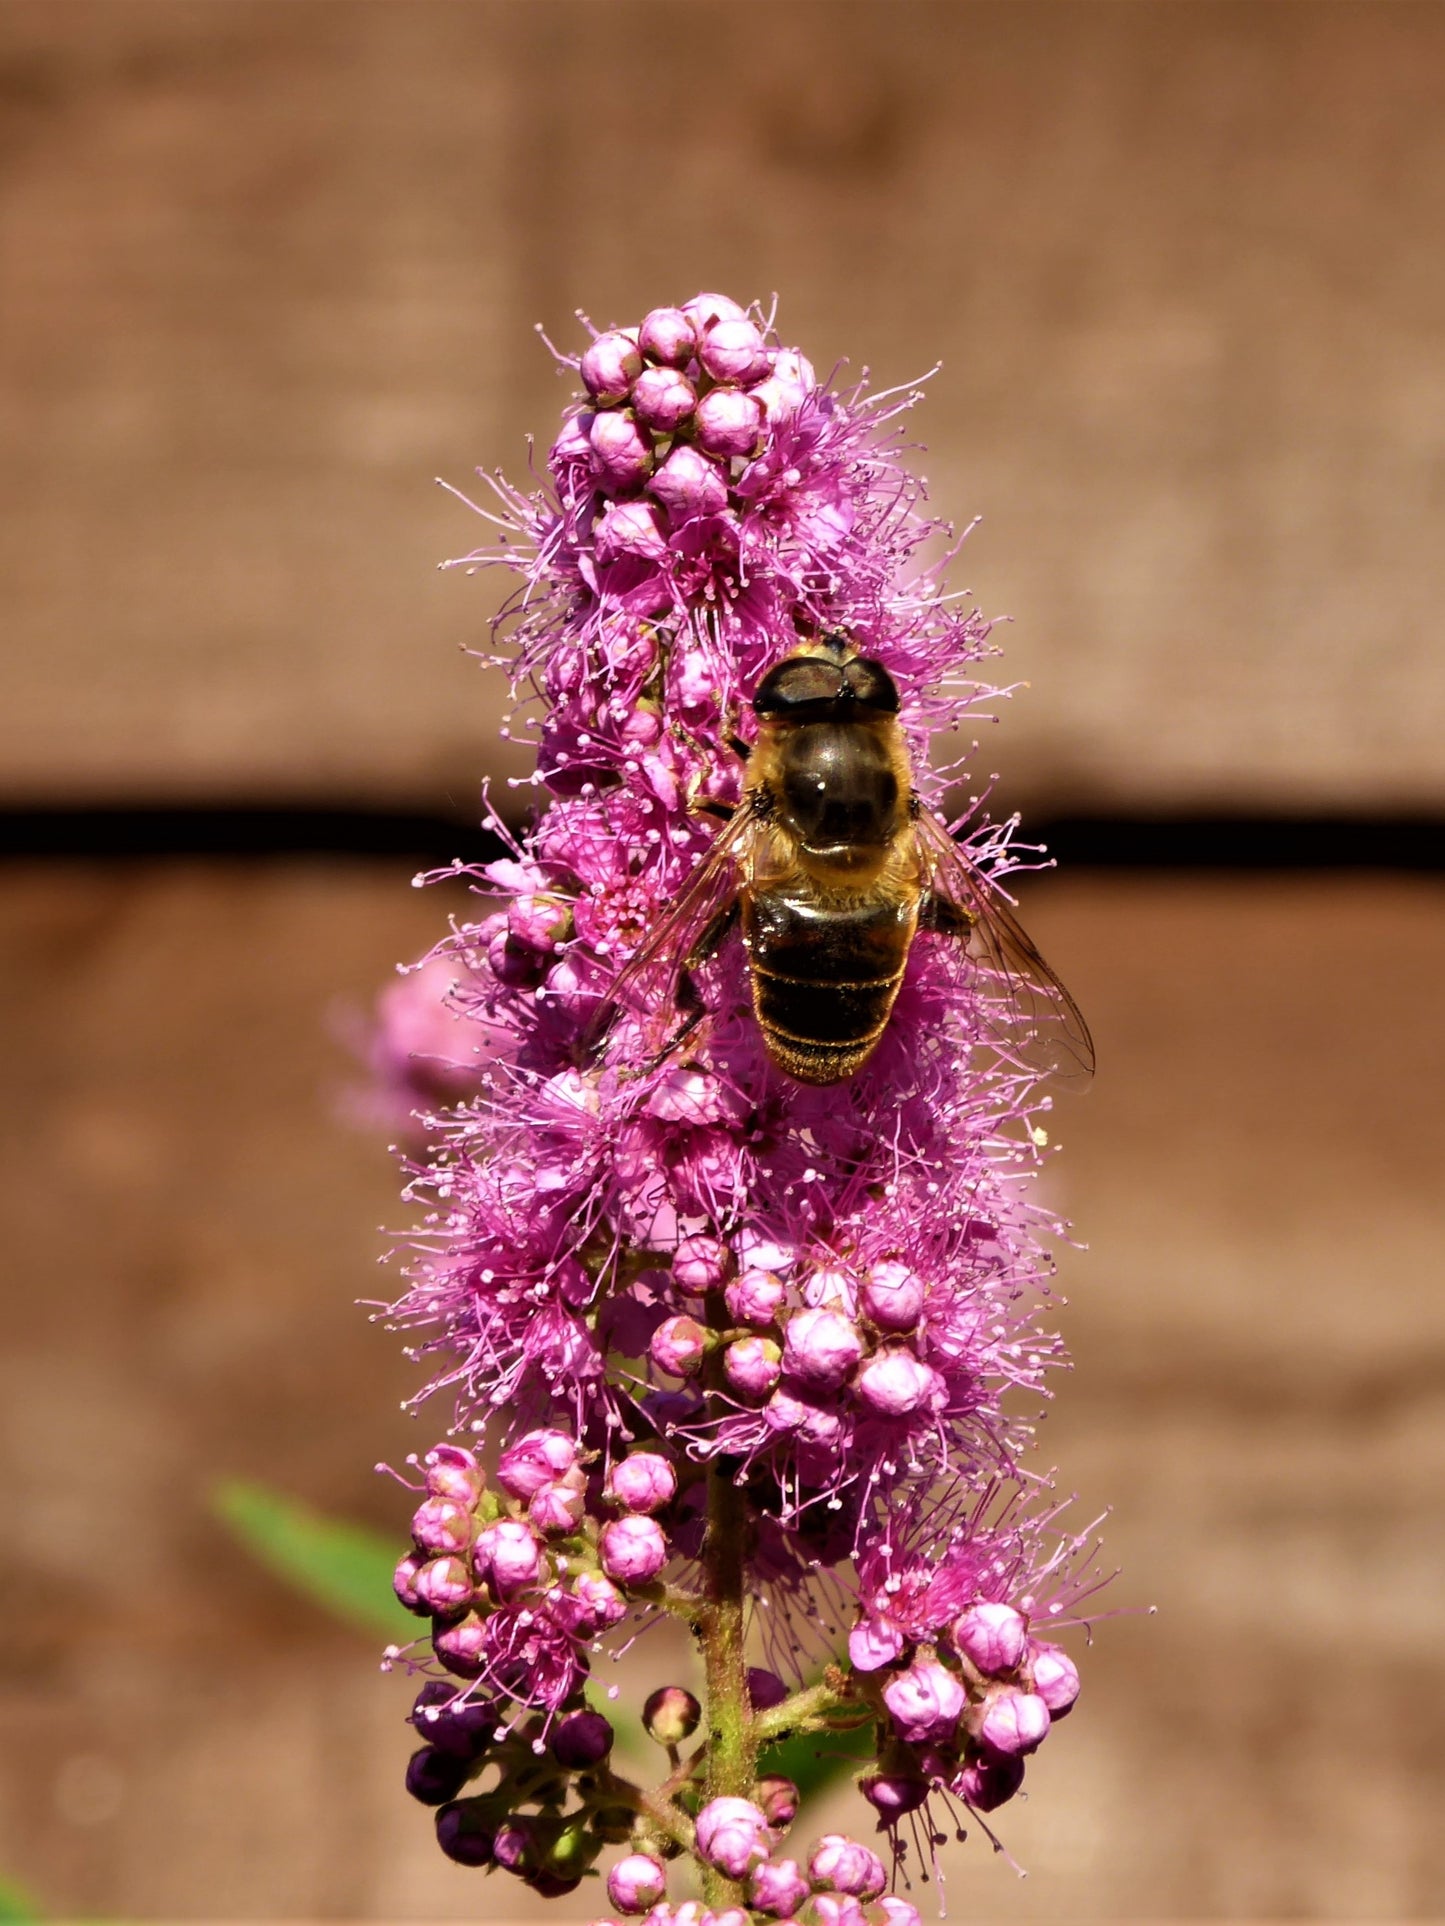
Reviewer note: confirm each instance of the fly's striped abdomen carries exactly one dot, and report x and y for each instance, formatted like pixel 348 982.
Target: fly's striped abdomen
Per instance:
pixel 825 973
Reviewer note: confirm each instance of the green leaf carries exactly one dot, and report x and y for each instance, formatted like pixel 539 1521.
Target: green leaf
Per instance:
pixel 816 1762
pixel 17 1905
pixel 346 1569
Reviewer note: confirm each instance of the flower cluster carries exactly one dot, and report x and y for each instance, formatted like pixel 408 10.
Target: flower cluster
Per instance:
pixel 734 1337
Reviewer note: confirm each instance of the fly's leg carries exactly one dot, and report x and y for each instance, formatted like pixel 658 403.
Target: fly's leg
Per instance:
pixel 690 1005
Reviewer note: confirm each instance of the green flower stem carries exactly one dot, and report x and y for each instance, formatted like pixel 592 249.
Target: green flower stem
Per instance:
pixel 732 1741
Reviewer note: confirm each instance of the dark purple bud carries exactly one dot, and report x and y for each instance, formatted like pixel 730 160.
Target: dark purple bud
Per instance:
pixel 581 1740
pixel 632 1550
pixel 994 1636
pixel 679 1346
pixel 845 1866
pixel 1056 1677
pixel 535 1460
pixel 989 1781
pixel 699 1264
pixel 621 452
pixel 892 1297
pixel 403 1583
pixel 441 1525
pixel 463 1726
pixel 663 399
pixel 644 1482
pixel 926 1702
pixel 462 1648
pixel 453 1472
pixel 733 350
pixel 464 1835
pixel 689 485
pixel 636 1883
pixel 895 1384
pixel 765 1689
pixel 550 1885
pixel 444 1587
pixel 671 1715
pixel 728 422
pixel 777 1887
pixel 668 336
pixel 611 365
pixel 893 1795
pixel 511 1845
pixel 777 1799
pixel 507 1556
pixel 752 1366
pixel 434 1777
pixel 821 1349
pixel 755 1298
pixel 1013 1723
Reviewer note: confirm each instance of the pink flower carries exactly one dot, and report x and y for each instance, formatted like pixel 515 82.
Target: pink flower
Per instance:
pixel 821 1349
pixel 732 1835
pixel 926 1702
pixel 644 1482
pixel 636 1883
pixel 994 1636
pixel 1013 1723
pixel 844 1866
pixel 728 422
pixel 633 1550
pixel 610 365
pixel 1056 1677
pixel 777 1887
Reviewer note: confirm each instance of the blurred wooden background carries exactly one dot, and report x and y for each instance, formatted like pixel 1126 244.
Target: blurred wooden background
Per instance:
pixel 265 270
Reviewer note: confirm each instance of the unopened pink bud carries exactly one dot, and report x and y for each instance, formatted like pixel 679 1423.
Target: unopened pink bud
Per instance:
pixel 679 1346
pixel 700 1264
pixel 732 1835
pixel 403 1583
pixel 989 1781
pixel 444 1586
pixel 441 1525
pixel 753 1366
pixel 644 1482
pixel 632 1550
pixel 704 311
pixel 668 336
pixel 821 1349
pixel 689 485
pixel 733 350
pixel 994 1636
pixel 755 1298
pixel 777 1800
pixel 874 1643
pixel 847 1867
pixel 535 1460
pixel 662 399
pixel 599 1599
pixel 636 1883
pixel 777 1887
pixel 728 422
pixel 896 1385
pixel 1013 1723
pixel 926 1702
pixel 784 390
pixel 558 1508
pixel 1056 1677
pixel 898 1912
pixel 630 528
pixel 892 1297
pixel 453 1472
pixel 621 451
pixel 838 1909
pixel 671 1714
pixel 462 1648
pixel 611 365
pixel 507 1556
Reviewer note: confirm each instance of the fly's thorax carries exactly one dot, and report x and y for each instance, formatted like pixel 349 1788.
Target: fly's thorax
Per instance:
pixel 839 787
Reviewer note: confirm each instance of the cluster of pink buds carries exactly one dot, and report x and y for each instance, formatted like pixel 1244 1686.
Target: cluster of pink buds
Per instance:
pixel 755 1355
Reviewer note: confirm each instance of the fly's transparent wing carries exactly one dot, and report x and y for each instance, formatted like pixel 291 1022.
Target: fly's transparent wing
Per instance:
pixel 648 981
pixel 1038 1021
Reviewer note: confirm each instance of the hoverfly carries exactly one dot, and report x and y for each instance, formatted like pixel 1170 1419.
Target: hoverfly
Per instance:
pixel 832 864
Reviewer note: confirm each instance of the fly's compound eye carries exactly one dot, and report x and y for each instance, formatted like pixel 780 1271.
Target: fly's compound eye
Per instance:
pixel 872 686
pixel 801 682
